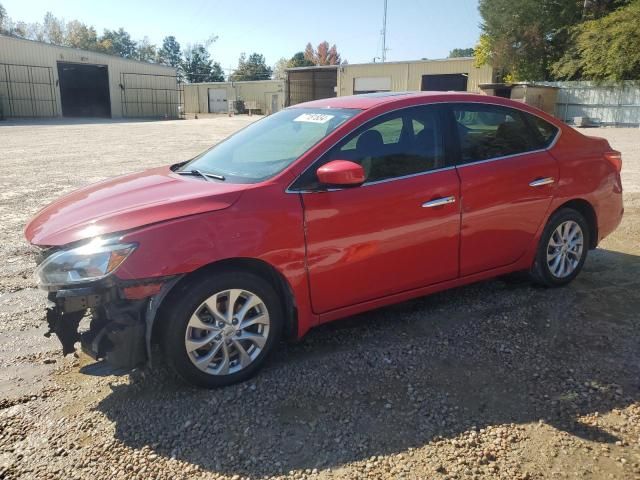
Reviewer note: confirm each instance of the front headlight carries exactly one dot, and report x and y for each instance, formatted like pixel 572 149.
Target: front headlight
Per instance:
pixel 93 261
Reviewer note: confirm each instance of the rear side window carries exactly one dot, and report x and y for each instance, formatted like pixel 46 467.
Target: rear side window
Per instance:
pixel 489 131
pixel 546 131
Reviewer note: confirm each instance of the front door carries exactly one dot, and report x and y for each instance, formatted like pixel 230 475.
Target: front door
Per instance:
pixel 398 231
pixel 218 100
pixel 507 183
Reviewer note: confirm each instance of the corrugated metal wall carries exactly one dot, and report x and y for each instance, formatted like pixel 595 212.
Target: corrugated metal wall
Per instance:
pixel 150 95
pixel 617 104
pixel 27 91
pixel 311 83
pixel 28 74
pixel 196 95
pixel 407 76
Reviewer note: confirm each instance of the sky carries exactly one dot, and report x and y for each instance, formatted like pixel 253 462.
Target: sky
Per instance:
pixel 279 28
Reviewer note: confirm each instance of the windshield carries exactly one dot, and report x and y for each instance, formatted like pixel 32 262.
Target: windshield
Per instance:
pixel 268 146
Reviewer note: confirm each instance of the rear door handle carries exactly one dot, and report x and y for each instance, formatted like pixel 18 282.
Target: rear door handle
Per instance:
pixel 539 182
pixel 438 202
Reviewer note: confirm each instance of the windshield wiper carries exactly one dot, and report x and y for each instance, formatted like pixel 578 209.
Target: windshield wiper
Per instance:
pixel 207 176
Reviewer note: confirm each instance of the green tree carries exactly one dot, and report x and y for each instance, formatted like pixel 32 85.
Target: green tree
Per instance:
pixel 281 66
pixel 198 66
pixel 170 53
pixel 79 35
pixel 252 68
pixel 523 35
pixel 53 29
pixel 4 18
pixel 18 29
pixel 461 52
pixel 35 31
pixel 524 38
pixel 117 42
pixel 280 69
pixel 145 51
pixel 9 27
pixel 299 60
pixel 606 49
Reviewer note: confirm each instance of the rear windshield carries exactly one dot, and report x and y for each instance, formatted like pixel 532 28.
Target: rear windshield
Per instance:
pixel 268 146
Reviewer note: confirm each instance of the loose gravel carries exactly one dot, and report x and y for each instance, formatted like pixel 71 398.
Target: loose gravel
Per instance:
pixel 495 380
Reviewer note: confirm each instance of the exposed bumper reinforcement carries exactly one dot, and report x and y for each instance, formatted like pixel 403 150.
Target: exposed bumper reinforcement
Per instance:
pixel 117 330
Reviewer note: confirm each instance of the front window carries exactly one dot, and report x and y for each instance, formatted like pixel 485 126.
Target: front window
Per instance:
pixel 267 147
pixel 398 144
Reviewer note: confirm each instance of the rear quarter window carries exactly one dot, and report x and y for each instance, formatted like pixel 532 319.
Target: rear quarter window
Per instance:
pixel 546 131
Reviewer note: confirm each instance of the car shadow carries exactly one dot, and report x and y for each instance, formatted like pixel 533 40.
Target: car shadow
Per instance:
pixel 493 353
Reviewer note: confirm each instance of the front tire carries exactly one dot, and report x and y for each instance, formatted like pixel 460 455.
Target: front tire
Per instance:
pixel 222 328
pixel 562 250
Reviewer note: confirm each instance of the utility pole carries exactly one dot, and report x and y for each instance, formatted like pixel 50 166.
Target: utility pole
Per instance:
pixel 384 32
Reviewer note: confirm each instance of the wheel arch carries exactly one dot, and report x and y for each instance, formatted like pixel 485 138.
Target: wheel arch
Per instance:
pixel 242 264
pixel 588 212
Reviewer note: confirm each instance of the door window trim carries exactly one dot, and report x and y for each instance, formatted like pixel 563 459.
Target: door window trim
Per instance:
pixel 451 145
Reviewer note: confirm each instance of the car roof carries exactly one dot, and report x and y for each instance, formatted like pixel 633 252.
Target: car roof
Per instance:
pixel 370 100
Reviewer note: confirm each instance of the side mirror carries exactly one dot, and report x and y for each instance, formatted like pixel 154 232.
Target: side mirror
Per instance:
pixel 341 173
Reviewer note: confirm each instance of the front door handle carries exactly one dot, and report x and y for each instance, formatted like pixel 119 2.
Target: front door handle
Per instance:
pixel 539 182
pixel 438 202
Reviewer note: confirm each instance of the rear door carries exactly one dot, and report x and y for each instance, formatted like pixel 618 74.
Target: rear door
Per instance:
pixel 396 232
pixel 507 183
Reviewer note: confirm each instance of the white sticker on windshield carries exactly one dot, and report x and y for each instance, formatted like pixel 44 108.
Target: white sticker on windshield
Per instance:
pixel 313 118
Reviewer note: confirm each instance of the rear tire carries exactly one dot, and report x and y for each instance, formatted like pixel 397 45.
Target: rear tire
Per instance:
pixel 562 249
pixel 208 343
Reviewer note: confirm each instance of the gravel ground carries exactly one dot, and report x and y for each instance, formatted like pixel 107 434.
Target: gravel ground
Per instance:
pixel 495 380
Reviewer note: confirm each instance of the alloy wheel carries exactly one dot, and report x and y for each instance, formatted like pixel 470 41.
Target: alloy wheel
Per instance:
pixel 564 249
pixel 227 332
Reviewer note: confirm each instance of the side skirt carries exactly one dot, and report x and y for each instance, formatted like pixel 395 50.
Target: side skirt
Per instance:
pixel 421 292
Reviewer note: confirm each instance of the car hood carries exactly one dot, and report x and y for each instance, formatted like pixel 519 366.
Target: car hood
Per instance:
pixel 127 202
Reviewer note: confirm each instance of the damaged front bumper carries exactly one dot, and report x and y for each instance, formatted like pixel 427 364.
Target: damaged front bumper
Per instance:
pixel 121 320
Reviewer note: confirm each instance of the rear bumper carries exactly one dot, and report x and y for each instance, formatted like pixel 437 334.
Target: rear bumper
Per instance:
pixel 610 212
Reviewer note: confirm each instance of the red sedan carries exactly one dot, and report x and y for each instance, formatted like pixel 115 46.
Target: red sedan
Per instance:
pixel 321 211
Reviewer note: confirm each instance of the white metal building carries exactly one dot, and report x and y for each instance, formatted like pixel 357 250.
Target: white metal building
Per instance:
pixel 42 80
pixel 265 96
pixel 459 74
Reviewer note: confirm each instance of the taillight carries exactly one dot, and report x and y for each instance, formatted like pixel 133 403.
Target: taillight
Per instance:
pixel 615 158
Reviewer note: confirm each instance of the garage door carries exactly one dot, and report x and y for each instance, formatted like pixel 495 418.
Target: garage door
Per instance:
pixel 371 84
pixel 218 100
pixel 27 91
pixel 84 90
pixel 447 82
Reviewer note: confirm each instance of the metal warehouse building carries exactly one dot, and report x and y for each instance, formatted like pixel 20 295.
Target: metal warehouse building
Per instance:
pixel 43 80
pixel 458 74
pixel 266 96
pixel 449 74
